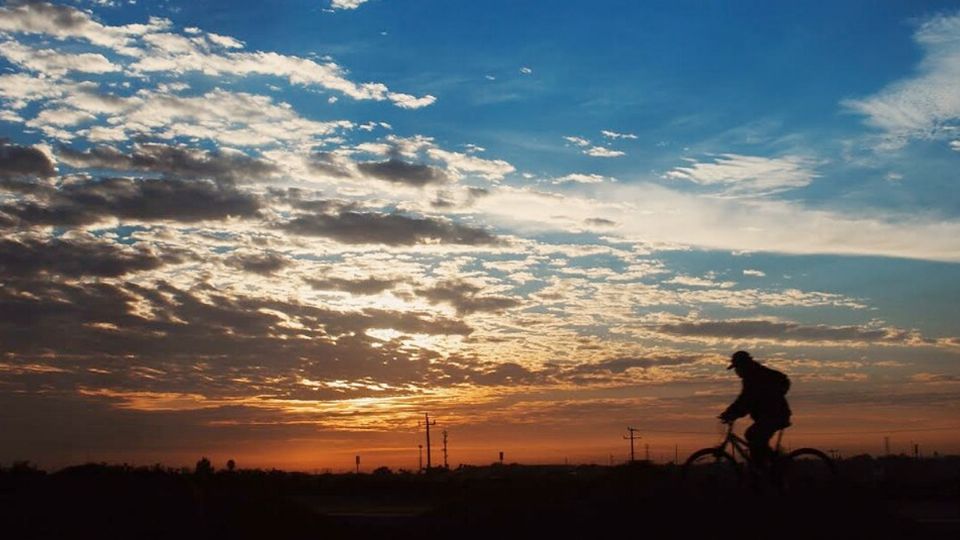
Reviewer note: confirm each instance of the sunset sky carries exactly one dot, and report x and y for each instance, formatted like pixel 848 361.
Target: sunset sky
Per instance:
pixel 280 232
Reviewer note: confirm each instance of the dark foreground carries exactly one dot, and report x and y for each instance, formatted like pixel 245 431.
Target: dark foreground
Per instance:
pixel 888 498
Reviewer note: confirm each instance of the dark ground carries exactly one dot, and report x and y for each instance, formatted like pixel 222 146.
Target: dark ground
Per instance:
pixel 886 498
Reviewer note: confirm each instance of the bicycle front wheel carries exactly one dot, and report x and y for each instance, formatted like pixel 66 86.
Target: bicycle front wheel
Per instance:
pixel 807 470
pixel 711 468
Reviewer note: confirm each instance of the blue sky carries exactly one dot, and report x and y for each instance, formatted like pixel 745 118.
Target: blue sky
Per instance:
pixel 375 207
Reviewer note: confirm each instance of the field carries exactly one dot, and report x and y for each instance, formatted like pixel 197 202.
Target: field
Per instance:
pixel 885 498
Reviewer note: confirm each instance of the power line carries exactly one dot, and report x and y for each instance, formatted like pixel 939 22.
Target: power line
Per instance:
pixel 633 436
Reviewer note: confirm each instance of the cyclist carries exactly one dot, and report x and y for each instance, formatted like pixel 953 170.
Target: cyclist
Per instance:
pixel 763 397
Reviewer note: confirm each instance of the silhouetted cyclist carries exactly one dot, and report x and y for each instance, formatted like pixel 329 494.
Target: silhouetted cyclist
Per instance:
pixel 763 397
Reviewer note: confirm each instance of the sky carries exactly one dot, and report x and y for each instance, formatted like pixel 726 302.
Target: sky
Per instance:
pixel 281 232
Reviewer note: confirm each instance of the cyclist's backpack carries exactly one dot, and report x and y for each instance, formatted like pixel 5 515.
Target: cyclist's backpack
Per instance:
pixel 783 382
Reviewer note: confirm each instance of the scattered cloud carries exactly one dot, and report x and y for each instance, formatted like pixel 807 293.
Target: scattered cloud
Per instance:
pixel 73 258
pixel 53 62
pixel 579 141
pixel 154 48
pixel 87 202
pixel 359 286
pixel 465 297
pixel 24 162
pixel 401 172
pixel 599 151
pixel 694 281
pixel 615 135
pixel 787 331
pixel 491 169
pixel 264 264
pixel 526 71
pixel 353 227
pixel 171 161
pixel 754 273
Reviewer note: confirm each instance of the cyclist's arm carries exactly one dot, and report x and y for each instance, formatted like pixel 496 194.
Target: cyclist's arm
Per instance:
pixel 738 408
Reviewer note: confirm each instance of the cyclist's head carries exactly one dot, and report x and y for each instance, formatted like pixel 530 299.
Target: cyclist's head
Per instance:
pixel 740 360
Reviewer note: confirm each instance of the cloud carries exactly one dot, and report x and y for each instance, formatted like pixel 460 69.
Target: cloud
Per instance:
pixel 24 162
pixel 491 169
pixel 464 297
pixel 264 264
pixel 600 222
pixel 926 105
pixel 72 258
pixel 754 273
pixel 171 161
pixel 158 337
pixel 750 175
pixel 599 151
pixel 579 141
pixel 596 151
pixel 401 172
pixel 351 227
pixel 92 201
pixel 53 62
pixel 330 164
pixel 365 286
pixel 693 281
pixel 63 22
pixel 526 71
pixel 786 331
pixel 646 212
pixel 580 178
pixel 615 135
pixel 156 50
pixel 346 4
pixel 624 364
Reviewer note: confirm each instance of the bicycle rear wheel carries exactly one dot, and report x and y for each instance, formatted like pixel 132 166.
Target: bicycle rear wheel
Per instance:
pixel 711 469
pixel 807 470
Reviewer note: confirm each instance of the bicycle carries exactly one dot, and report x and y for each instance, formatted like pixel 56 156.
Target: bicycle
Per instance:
pixel 716 467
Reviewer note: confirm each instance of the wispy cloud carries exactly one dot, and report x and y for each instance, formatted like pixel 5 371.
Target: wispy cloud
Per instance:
pixel 926 105
pixel 748 175
pixel 580 178
pixel 614 135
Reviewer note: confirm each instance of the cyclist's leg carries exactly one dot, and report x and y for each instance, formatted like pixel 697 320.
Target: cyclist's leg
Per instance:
pixel 758 437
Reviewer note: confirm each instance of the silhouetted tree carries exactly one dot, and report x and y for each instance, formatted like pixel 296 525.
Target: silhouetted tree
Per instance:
pixel 382 471
pixel 204 468
pixel 231 465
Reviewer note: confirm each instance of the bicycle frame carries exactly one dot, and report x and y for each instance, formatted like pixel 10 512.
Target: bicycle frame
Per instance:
pixel 739 446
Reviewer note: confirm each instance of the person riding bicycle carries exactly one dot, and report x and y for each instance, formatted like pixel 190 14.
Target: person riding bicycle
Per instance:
pixel 763 397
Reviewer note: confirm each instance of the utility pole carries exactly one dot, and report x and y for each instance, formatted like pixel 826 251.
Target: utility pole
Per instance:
pixel 646 451
pixel 428 423
pixel 445 465
pixel 420 446
pixel 886 445
pixel 358 464
pixel 676 454
pixel 633 436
